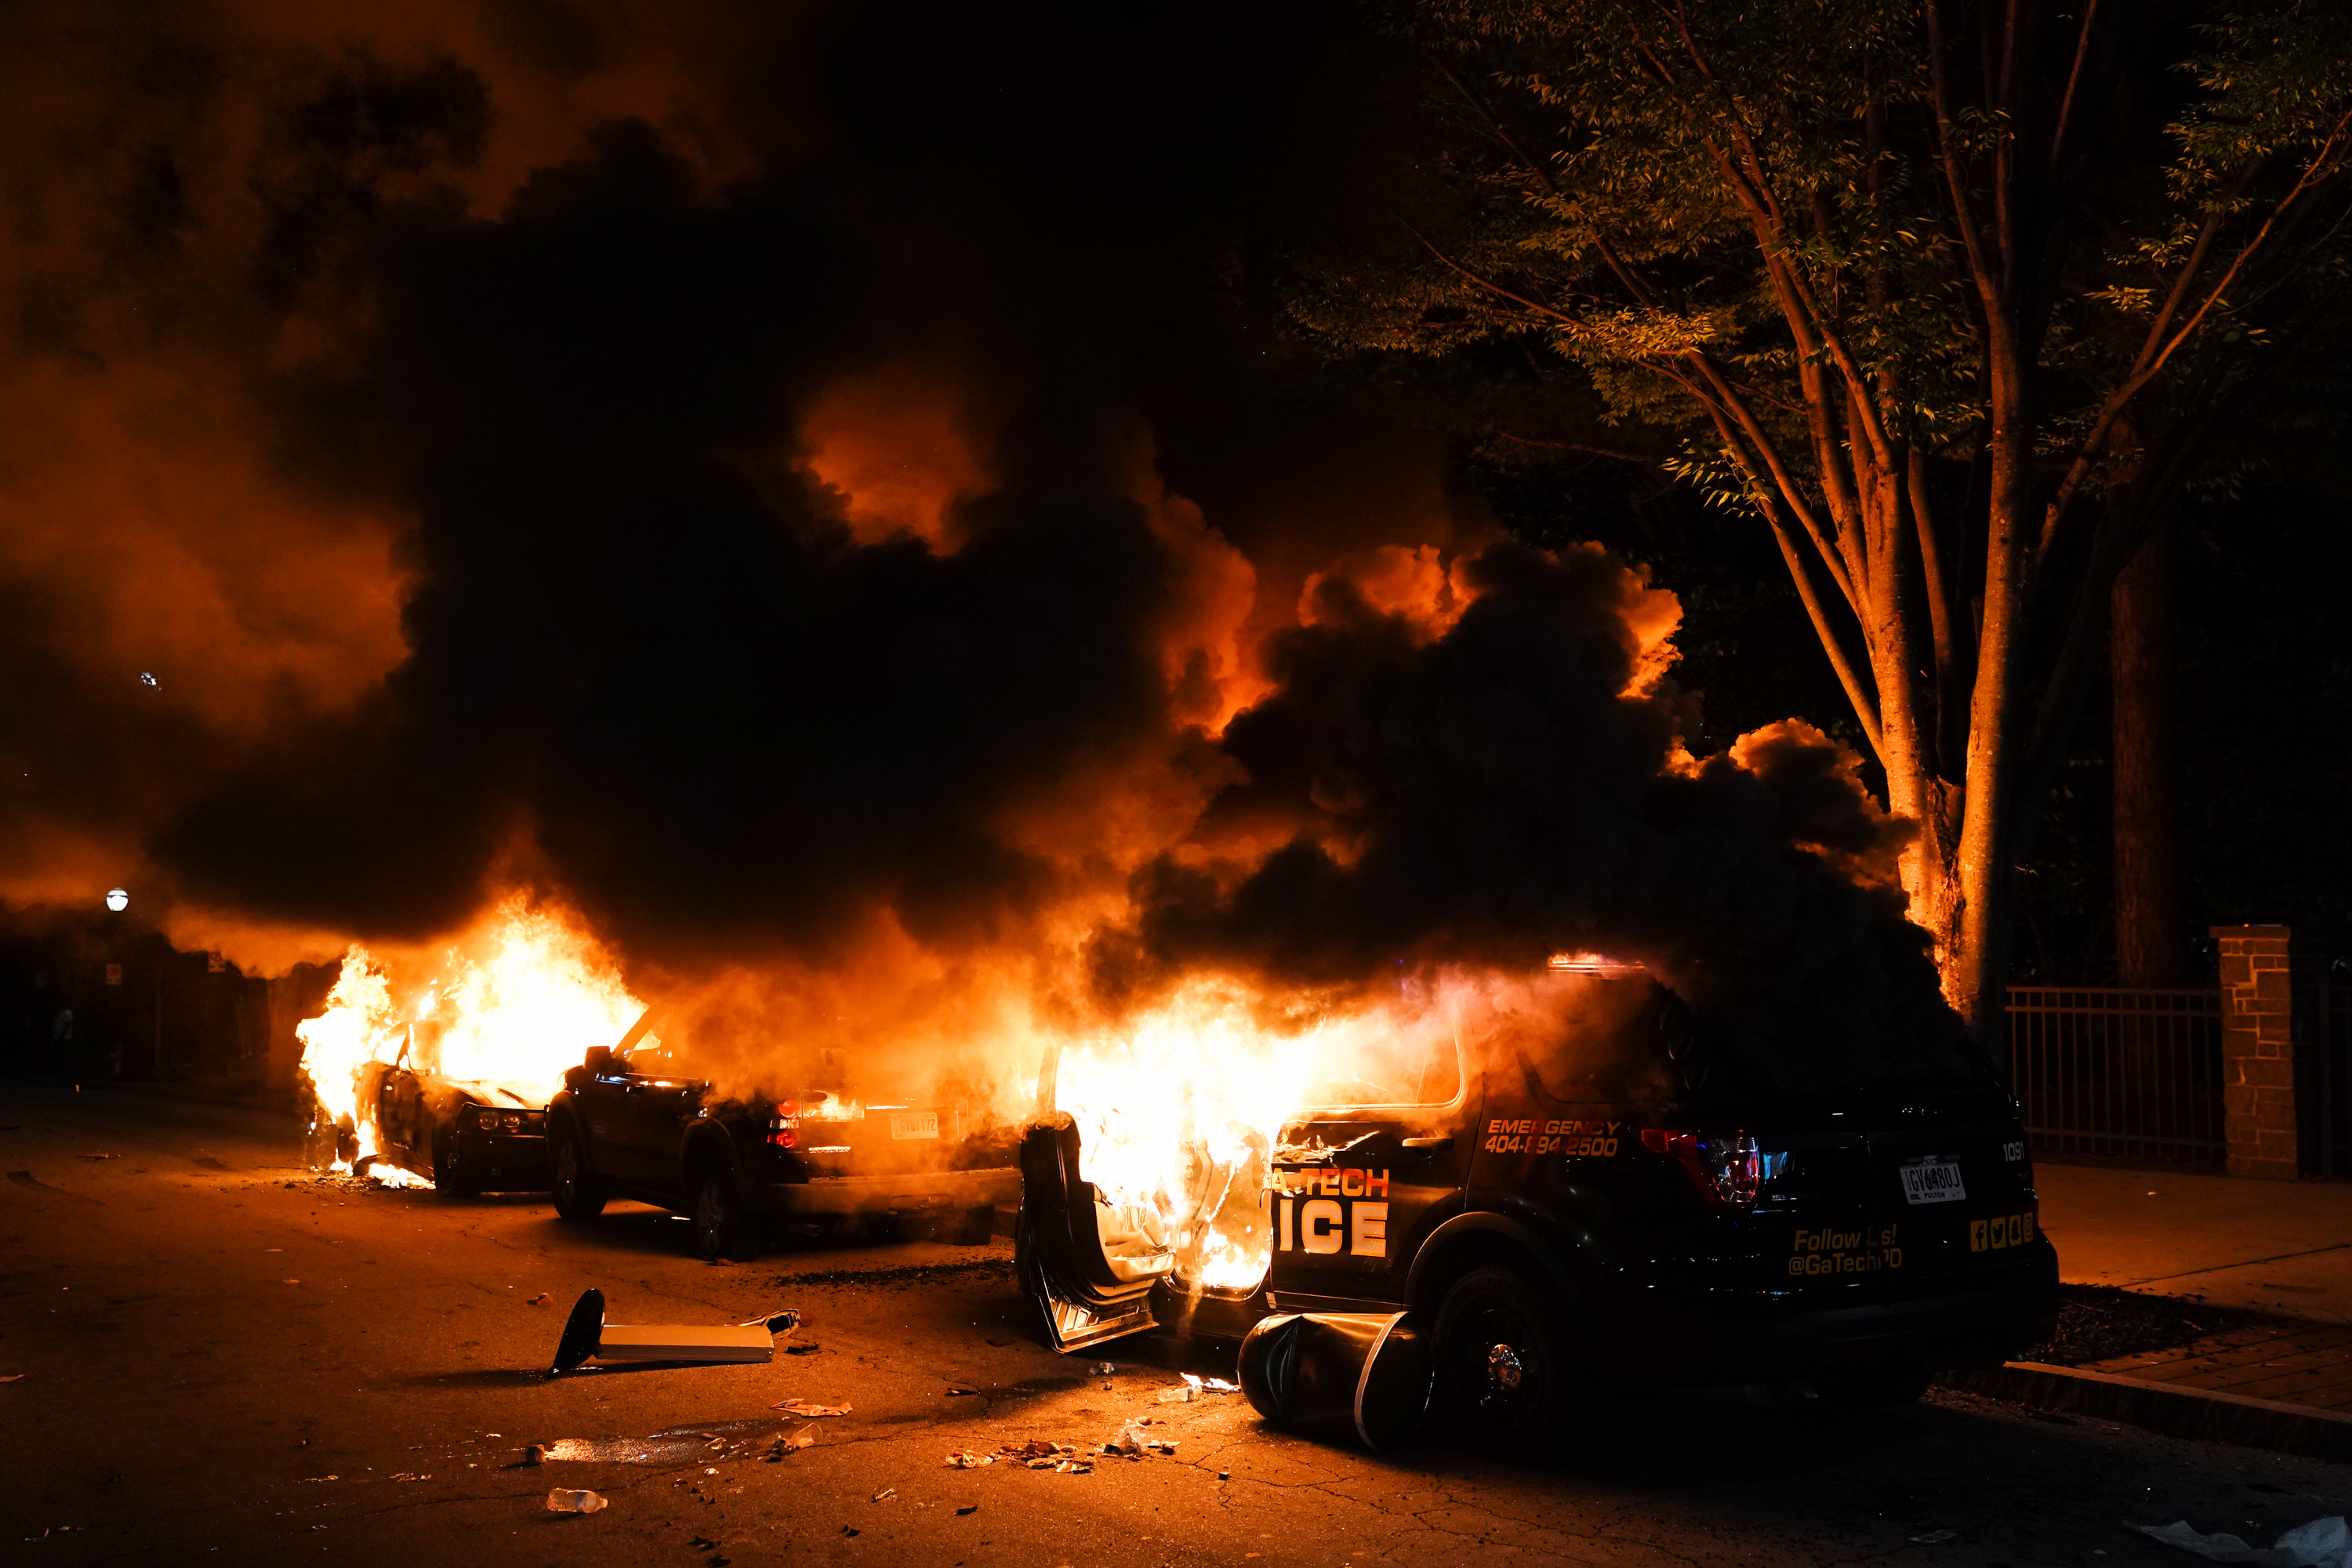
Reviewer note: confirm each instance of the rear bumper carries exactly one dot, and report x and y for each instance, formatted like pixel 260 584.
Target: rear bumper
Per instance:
pixel 1760 1340
pixel 912 1193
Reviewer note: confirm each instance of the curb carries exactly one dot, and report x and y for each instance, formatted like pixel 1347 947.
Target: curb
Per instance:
pixel 2176 1412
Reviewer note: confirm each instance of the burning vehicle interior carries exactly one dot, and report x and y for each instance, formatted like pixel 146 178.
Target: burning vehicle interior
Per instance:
pixel 1540 1189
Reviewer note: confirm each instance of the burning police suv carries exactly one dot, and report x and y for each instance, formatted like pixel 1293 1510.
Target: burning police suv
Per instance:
pixel 636 1120
pixel 1625 1213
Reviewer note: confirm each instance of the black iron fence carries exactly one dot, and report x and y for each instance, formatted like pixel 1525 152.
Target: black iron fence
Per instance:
pixel 2127 1074
pixel 2331 1028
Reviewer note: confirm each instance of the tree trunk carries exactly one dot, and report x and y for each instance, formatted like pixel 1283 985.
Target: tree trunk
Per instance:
pixel 2147 867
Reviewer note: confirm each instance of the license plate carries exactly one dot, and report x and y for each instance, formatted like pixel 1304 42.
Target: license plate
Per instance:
pixel 1932 1182
pixel 914 1124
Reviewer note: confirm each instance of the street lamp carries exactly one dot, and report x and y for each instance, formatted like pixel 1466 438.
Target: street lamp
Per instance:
pixel 117 899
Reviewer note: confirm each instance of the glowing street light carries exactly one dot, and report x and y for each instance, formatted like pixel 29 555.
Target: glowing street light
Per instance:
pixel 117 899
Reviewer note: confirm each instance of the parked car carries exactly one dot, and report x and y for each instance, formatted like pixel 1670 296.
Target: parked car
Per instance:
pixel 468 1138
pixel 1659 1227
pixel 471 1138
pixel 636 1120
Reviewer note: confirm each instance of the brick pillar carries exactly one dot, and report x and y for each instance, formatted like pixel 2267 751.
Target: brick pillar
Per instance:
pixel 2264 1053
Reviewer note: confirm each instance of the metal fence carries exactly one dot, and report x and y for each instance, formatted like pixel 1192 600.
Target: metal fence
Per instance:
pixel 2132 1075
pixel 2330 1004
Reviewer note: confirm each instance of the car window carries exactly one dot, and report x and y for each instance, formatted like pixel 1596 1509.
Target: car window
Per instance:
pixel 1420 1068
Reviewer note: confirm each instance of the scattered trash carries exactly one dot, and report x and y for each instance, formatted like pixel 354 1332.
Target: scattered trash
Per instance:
pixel 289 1281
pixel 965 1459
pixel 1129 1442
pixel 786 1443
pixel 1102 1368
pixel 563 1502
pixel 1181 1394
pixel 535 1455
pixel 13 1377
pixel 968 1508
pixel 545 1298
pixel 810 1407
pixel 849 1529
pixel 1225 1475
pixel 953 1392
pixel 1934 1537
pixel 886 1494
pixel 1219 1385
pixel 2321 1543
pixel 800 1347
pixel 586 1334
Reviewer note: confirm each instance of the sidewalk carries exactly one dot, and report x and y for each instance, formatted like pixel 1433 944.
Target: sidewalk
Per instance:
pixel 2278 1248
pixel 2275 1247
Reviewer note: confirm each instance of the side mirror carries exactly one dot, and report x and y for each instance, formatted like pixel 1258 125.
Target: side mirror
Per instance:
pixel 598 1061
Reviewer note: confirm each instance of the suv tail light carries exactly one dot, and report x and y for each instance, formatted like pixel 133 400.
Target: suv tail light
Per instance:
pixel 783 1131
pixel 1728 1168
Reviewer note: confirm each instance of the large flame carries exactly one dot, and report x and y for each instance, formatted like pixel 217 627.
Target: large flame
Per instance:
pixel 1180 1109
pixel 505 1009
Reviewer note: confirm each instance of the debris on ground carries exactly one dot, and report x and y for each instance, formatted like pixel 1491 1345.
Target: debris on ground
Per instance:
pixel 1182 1394
pixel 2321 1543
pixel 1129 1443
pixel 1102 1368
pixel 968 1508
pixel 535 1455
pixel 801 1347
pixel 959 1390
pixel 886 1494
pixel 786 1443
pixel 545 1298
pixel 587 1336
pixel 965 1459
pixel 1934 1537
pixel 561 1501
pixel 13 1377
pixel 810 1407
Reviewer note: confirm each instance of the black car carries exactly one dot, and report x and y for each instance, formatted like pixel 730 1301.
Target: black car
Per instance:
pixel 635 1120
pixel 468 1138
pixel 1559 1231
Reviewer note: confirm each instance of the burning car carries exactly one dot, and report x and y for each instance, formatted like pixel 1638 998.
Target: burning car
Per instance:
pixel 1626 1212
pixel 466 1139
pixel 636 1120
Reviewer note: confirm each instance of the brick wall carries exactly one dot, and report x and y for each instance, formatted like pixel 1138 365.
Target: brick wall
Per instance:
pixel 2261 1034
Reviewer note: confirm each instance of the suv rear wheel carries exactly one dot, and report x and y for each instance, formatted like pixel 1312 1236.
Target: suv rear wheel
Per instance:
pixel 1510 1379
pixel 578 1195
pixel 720 1227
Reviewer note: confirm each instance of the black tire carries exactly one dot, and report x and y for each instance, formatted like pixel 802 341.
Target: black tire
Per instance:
pixel 721 1229
pixel 580 1196
pixel 1511 1380
pixel 453 1176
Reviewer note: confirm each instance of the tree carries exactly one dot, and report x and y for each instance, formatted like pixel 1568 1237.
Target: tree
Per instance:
pixel 1954 297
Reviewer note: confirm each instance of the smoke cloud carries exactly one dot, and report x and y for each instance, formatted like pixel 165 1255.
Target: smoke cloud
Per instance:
pixel 805 490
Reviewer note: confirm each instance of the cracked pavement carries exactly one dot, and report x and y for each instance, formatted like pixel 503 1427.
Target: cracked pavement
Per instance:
pixel 215 1355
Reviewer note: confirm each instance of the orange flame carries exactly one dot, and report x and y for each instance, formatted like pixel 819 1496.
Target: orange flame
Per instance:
pixel 507 1007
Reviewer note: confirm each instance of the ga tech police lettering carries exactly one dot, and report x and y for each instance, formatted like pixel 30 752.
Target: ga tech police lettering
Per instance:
pixel 1340 1218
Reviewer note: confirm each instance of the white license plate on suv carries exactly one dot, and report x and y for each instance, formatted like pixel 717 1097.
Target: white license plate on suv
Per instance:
pixel 1932 1182
pixel 914 1124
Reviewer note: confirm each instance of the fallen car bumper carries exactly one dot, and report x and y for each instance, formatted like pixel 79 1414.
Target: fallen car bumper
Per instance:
pixel 914 1194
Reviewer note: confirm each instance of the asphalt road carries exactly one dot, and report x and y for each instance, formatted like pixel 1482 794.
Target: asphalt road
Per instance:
pixel 213 1353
